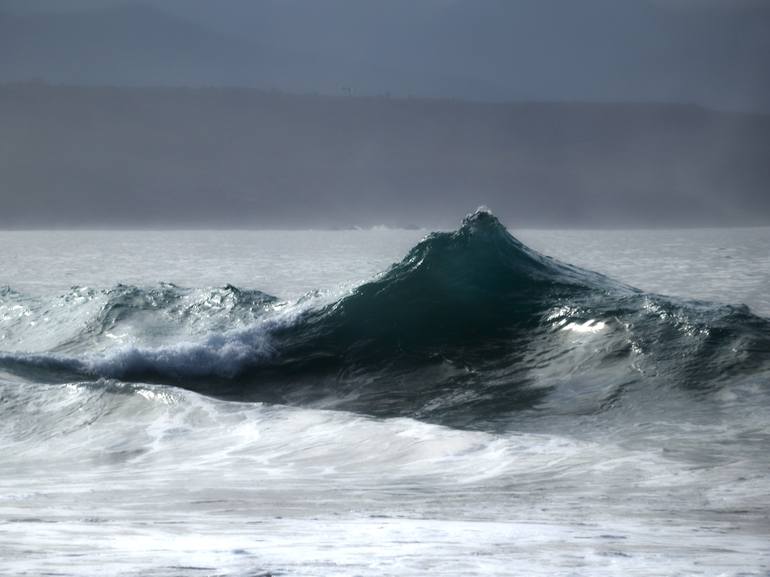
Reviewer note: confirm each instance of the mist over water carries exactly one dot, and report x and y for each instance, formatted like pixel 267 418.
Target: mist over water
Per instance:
pixel 477 408
pixel 149 157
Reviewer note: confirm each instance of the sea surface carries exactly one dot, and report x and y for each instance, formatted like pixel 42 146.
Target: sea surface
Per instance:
pixel 243 403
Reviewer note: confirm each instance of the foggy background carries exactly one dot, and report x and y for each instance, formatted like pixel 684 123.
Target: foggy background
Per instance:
pixel 337 113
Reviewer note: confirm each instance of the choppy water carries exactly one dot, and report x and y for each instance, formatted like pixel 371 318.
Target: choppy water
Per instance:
pixel 233 403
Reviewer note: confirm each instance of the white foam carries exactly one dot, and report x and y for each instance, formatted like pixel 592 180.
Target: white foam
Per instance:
pixel 148 479
pixel 589 326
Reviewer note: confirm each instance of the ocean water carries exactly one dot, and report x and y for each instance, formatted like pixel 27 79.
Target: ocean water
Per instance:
pixel 288 403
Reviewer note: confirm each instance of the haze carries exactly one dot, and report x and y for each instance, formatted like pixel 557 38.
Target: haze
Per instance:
pixel 336 113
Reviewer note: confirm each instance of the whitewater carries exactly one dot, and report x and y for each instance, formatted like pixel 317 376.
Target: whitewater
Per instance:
pixel 249 403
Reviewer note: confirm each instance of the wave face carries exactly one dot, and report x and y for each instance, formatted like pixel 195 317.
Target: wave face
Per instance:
pixel 471 328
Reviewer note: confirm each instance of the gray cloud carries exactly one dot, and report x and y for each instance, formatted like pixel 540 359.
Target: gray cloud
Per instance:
pixel 709 52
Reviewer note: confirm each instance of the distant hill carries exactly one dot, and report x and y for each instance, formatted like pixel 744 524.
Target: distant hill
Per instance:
pixel 74 156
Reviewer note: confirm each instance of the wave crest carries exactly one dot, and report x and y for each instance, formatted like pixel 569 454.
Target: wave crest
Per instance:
pixel 470 325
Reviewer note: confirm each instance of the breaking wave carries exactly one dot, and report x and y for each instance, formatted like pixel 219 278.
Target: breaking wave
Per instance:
pixel 471 326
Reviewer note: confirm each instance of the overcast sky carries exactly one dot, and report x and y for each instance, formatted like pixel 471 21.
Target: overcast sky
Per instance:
pixel 710 52
pixel 616 112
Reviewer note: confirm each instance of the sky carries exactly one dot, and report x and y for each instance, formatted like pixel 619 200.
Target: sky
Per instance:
pixel 709 52
pixel 337 113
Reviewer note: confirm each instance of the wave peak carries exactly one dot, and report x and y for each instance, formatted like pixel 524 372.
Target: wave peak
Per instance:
pixel 470 322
